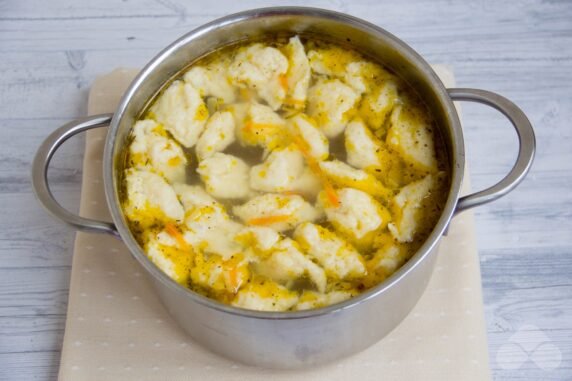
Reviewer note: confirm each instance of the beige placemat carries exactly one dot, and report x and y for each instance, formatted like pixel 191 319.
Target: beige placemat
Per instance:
pixel 117 329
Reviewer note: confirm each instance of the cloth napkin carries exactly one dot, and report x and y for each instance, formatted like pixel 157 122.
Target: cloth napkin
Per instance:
pixel 117 329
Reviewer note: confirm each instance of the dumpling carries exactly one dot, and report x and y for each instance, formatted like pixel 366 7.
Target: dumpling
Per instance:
pixel 336 62
pixel 181 110
pixel 276 211
pixel 331 61
pixel 211 229
pixel 411 136
pixel 265 295
pixel 389 255
pixel 218 135
pixel 193 196
pixel 308 137
pixel 377 105
pixel 358 216
pixel 338 258
pixel 311 299
pixel 287 263
pixel 308 184
pixel 212 80
pixel 225 176
pixel 330 103
pixel 298 75
pixel 405 206
pixel 219 275
pixel 150 198
pixel 208 225
pixel 151 146
pixel 344 175
pixel 361 75
pixel 262 69
pixel 259 125
pixel 258 239
pixel 361 146
pixel 279 171
pixel 175 258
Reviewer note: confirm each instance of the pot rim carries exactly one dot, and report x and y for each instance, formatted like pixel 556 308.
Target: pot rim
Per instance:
pixel 457 162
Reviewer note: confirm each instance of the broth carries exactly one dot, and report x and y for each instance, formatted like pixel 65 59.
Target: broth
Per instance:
pixel 284 175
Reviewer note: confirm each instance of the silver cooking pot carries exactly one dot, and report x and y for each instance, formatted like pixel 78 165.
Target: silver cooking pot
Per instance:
pixel 289 339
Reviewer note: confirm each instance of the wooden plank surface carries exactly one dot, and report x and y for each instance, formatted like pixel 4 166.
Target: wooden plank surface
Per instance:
pixel 50 52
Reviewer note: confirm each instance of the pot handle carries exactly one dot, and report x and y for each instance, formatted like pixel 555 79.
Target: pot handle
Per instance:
pixel 40 174
pixel 526 148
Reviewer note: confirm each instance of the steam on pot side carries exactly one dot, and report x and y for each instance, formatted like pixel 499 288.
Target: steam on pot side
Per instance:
pixel 284 175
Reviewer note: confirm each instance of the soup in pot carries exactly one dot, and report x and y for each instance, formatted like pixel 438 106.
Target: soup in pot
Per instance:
pixel 284 175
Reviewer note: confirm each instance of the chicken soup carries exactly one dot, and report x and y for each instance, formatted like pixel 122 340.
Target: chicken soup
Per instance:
pixel 284 175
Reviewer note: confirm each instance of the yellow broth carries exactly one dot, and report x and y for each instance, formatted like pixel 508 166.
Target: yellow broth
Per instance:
pixel 284 175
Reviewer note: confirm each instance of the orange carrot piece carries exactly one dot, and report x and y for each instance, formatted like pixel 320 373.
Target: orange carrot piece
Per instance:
pixel 174 232
pixel 283 82
pixel 268 220
pixel 331 193
pixel 315 167
pixel 233 278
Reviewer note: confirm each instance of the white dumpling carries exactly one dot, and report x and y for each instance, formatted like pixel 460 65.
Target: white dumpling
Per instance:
pixel 225 176
pixel 336 62
pixel 181 110
pixel 298 75
pixel 166 252
pixel 361 146
pixel 211 229
pixel 411 136
pixel 336 256
pixel 276 211
pixel 308 184
pixel 330 103
pixel 312 139
pixel 406 203
pixel 218 135
pixel 329 62
pixel 279 171
pixel 151 146
pixel 361 75
pixel 377 105
pixel 258 238
pixel 150 197
pixel 262 69
pixel 357 215
pixel 193 196
pixel 287 263
pixel 258 125
pixel 265 295
pixel 311 299
pixel 212 80
pixel 345 175
pixel 220 275
pixel 387 259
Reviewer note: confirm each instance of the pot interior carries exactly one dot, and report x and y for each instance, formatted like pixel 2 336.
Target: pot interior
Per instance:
pixel 263 24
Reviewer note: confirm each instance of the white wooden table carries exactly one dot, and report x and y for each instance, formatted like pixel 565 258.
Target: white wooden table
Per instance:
pixel 51 51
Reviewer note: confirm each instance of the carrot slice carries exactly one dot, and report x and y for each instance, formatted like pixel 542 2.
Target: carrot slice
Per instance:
pixel 268 220
pixel 174 232
pixel 283 81
pixel 331 194
pixel 314 166
pixel 233 278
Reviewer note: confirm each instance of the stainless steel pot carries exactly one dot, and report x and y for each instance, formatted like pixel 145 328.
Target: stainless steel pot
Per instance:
pixel 290 339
